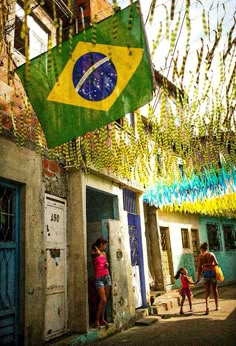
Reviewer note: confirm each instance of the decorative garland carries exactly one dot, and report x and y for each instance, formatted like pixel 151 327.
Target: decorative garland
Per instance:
pixel 201 126
pixel 191 194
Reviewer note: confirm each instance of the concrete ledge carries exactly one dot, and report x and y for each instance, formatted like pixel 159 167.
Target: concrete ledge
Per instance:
pixel 146 321
pixel 141 313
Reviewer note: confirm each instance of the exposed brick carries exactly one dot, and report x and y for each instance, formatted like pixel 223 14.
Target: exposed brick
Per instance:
pixel 45 164
pixel 53 166
pixel 48 173
pixel 7 122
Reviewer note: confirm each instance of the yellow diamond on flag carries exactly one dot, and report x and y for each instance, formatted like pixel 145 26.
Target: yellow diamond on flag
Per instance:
pixel 95 75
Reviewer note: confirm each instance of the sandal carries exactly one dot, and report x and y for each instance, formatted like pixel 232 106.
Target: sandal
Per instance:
pixel 105 323
pixel 97 325
pixel 207 311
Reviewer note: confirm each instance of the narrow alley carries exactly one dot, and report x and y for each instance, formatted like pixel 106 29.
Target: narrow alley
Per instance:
pixel 171 328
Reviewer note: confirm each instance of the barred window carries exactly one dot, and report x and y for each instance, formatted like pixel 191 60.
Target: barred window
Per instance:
pixel 185 238
pixel 229 237
pixel 7 215
pixel 214 236
pixel 38 37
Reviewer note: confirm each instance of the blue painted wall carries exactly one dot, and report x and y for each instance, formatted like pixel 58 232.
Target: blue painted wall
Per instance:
pixel 226 259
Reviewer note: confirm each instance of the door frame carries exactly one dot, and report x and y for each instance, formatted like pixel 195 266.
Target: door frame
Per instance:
pixel 62 201
pixel 17 271
pixel 169 255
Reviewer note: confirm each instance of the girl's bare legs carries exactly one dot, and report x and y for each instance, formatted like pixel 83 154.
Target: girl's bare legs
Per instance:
pixel 215 293
pixel 107 290
pixel 101 305
pixel 181 305
pixel 207 286
pixel 190 302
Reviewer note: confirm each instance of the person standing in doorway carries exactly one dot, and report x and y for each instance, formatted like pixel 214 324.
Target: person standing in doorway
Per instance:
pixel 206 268
pixel 102 279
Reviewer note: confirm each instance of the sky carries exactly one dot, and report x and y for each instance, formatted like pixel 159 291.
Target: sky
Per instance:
pixel 163 57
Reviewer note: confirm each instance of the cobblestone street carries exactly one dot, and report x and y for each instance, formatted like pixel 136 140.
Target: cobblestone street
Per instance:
pixel 217 328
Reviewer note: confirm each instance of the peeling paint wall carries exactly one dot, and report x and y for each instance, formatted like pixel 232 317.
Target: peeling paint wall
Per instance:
pixel 24 167
pixel 122 289
pixel 180 256
pixel 226 258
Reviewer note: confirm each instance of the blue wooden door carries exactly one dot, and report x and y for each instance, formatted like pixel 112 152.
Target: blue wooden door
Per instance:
pixel 9 261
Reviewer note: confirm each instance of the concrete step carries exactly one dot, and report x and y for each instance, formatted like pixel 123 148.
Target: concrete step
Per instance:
pixel 141 313
pixel 146 321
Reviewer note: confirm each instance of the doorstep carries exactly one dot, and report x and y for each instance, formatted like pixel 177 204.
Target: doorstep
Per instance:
pixel 93 335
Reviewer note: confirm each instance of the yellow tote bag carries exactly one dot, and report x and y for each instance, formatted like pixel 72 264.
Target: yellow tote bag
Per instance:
pixel 219 274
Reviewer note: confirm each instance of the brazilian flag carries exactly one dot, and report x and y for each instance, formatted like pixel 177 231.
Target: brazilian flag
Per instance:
pixel 77 89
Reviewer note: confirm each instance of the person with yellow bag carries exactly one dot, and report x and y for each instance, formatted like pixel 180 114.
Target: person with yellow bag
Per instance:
pixel 207 269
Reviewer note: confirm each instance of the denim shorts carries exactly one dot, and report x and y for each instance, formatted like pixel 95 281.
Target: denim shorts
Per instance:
pixel 209 276
pixel 103 281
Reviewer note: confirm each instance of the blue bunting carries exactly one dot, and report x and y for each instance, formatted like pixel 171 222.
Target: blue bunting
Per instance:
pixel 207 185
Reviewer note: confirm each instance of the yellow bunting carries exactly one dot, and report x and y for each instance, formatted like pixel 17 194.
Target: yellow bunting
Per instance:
pixel 167 23
pixel 187 20
pixel 172 9
pixel 152 10
pixel 157 40
pixel 185 122
pixel 94 30
pixel 174 35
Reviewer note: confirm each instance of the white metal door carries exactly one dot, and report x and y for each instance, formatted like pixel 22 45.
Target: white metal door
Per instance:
pixel 55 246
pixel 135 251
pixel 136 286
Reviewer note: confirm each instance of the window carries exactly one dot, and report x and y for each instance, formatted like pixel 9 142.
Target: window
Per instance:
pixel 214 236
pixel 129 200
pixel 131 119
pixel 38 38
pixel 7 216
pixel 229 237
pixel 181 167
pixel 185 238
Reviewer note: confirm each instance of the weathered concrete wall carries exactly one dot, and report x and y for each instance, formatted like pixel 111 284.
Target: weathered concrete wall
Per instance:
pixel 54 178
pixel 140 211
pixel 25 167
pixel 180 256
pixel 226 259
pixel 154 248
pixel 77 253
pixel 122 289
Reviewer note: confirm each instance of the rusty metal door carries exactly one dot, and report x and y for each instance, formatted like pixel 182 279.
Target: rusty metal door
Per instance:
pixel 167 264
pixel 55 266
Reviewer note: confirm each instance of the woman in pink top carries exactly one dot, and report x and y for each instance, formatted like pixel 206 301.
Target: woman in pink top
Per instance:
pixel 102 279
pixel 185 289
